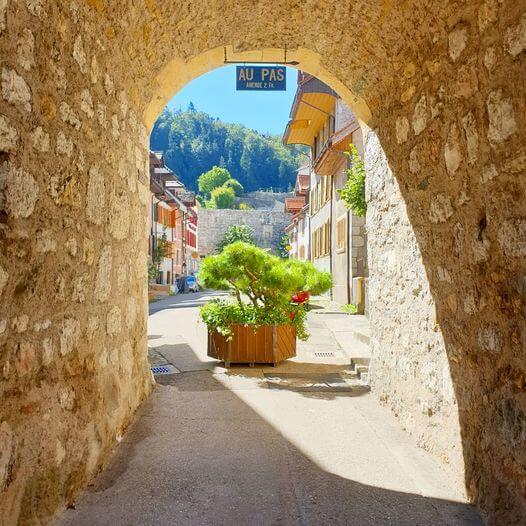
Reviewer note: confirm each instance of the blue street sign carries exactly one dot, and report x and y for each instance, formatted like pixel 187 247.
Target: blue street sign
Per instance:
pixel 261 78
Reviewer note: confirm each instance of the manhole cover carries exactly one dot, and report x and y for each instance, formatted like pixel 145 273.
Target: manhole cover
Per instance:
pixel 164 369
pixel 323 354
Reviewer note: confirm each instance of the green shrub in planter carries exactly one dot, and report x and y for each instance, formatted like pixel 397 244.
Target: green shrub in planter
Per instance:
pixel 263 285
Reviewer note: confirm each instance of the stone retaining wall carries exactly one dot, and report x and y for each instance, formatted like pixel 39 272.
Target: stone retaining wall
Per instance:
pixel 268 226
pixel 409 368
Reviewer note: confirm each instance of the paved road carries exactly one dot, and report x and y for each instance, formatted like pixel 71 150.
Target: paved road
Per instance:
pixel 299 444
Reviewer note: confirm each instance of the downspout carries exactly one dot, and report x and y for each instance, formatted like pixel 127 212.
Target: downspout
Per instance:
pixel 172 258
pixel 330 230
pixel 185 268
pixel 349 250
pixel 154 240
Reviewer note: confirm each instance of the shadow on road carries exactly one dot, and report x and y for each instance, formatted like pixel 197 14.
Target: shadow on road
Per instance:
pixel 198 455
pixel 239 447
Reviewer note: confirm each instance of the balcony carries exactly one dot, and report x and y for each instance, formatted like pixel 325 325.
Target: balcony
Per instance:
pixel 333 152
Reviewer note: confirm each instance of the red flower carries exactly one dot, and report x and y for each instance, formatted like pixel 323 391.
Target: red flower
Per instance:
pixel 301 297
pixel 292 315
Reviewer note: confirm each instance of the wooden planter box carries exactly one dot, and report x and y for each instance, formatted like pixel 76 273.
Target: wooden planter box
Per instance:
pixel 268 344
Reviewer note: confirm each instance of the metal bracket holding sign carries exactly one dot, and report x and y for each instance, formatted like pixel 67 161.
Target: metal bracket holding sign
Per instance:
pixel 261 78
pixel 285 62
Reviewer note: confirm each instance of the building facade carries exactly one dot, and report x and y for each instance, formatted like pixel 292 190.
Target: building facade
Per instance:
pixel 172 223
pixel 320 120
pixel 298 231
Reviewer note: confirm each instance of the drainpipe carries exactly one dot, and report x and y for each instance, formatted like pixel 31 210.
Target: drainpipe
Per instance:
pixel 184 267
pixel 154 241
pixel 349 250
pixel 172 258
pixel 330 230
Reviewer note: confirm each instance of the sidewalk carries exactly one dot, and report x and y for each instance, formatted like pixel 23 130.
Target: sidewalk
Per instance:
pixel 350 332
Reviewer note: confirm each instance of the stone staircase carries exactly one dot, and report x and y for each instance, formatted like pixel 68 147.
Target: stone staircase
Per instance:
pixel 352 333
pixel 360 366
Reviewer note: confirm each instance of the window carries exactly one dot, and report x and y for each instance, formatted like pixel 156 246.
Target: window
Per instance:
pixel 328 188
pixel 321 240
pixel 341 231
pixel 327 238
pixel 165 216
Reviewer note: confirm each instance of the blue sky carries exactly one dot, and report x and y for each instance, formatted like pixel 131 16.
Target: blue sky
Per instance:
pixel 215 93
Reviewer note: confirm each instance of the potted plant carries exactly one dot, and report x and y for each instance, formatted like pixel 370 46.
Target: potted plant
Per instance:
pixel 261 324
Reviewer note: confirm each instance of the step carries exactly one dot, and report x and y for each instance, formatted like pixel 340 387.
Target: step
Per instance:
pixel 352 346
pixel 361 369
pixel 364 378
pixel 362 361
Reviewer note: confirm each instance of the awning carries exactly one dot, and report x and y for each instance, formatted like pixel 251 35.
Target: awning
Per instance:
pixel 313 102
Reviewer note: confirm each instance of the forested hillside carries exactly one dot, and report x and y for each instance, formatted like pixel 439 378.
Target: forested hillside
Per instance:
pixel 193 142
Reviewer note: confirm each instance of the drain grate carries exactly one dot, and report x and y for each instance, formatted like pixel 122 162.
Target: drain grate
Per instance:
pixel 323 354
pixel 164 369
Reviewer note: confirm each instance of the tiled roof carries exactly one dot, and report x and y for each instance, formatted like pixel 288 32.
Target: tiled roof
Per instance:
pixel 294 204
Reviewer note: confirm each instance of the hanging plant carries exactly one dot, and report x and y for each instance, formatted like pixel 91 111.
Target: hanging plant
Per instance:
pixel 353 193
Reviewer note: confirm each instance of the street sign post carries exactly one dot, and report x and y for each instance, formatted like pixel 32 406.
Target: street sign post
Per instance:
pixel 261 78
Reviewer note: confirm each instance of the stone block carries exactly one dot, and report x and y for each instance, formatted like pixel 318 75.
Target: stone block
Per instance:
pixel 8 135
pixel 15 89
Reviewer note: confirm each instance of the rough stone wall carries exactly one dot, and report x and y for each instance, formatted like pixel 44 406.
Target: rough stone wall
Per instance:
pixel 409 367
pixel 442 83
pixel 73 307
pixel 268 226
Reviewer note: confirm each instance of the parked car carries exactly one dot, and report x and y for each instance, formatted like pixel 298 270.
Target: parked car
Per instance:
pixel 192 284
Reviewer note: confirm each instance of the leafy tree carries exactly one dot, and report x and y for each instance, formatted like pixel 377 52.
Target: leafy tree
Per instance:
pixel 212 179
pixel 222 198
pixel 235 233
pixel 265 279
pixel 353 193
pixel 268 283
pixel 193 141
pixel 245 206
pixel 236 186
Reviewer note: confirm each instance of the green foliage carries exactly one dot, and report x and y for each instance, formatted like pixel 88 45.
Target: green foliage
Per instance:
pixel 161 251
pixel 214 178
pixel 236 186
pixel 353 193
pixel 192 142
pixel 307 277
pixel 282 250
pixel 235 233
pixel 152 272
pixel 220 315
pixel 350 308
pixel 268 283
pixel 221 198
pixel 245 206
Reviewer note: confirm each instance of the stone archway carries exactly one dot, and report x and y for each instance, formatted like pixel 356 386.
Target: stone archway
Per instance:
pixel 444 91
